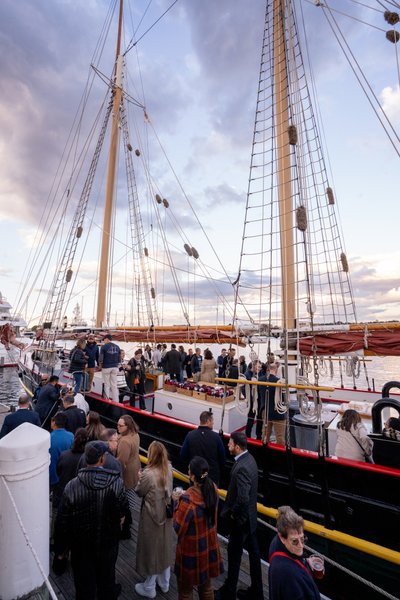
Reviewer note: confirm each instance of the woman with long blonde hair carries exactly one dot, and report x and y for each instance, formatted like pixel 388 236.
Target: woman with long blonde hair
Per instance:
pixel 154 548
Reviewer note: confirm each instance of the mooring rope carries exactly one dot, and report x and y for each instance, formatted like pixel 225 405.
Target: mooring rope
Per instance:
pixel 28 542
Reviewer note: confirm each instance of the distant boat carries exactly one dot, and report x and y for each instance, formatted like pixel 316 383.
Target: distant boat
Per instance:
pixel 13 323
pixel 293 284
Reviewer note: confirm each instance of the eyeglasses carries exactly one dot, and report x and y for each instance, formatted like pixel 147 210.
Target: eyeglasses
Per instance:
pixel 121 425
pixel 300 540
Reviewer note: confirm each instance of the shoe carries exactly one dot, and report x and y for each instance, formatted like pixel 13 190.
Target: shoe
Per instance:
pixel 223 593
pixel 248 594
pixel 163 588
pixel 139 589
pixel 125 534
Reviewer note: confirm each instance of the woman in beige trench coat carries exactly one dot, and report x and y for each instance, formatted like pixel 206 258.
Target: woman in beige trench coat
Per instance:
pixel 154 552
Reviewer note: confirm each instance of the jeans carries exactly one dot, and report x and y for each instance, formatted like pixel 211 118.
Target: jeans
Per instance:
pixel 162 579
pixel 78 376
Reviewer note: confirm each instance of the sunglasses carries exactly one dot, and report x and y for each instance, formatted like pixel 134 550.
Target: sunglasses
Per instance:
pixel 297 541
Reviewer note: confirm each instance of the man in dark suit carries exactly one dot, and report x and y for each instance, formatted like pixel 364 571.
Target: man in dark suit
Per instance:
pixel 240 509
pixel 206 443
pixel 173 363
pixel 24 414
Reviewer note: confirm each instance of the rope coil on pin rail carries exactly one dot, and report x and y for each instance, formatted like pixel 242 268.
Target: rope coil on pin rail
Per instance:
pixel 243 404
pixel 352 366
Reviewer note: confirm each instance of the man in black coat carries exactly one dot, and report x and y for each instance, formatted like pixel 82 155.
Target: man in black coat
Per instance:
pixel 75 416
pixel 47 402
pixel 172 365
pixel 205 442
pixel 22 415
pixel 88 523
pixel 240 510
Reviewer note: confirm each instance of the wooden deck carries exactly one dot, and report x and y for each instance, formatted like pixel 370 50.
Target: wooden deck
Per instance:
pixel 128 576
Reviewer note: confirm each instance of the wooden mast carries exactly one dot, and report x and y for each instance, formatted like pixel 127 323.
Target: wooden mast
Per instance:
pixel 109 199
pixel 283 171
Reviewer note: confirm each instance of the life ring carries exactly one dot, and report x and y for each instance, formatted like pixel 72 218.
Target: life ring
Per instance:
pixel 388 386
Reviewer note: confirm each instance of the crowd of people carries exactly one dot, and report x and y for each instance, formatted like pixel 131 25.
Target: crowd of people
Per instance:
pixel 96 480
pixel 96 483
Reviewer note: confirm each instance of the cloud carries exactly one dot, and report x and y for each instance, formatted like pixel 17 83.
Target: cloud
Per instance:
pixel 376 285
pixel 223 195
pixel 390 98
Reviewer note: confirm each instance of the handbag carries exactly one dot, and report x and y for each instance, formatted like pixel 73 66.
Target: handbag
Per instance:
pixel 169 509
pixel 367 457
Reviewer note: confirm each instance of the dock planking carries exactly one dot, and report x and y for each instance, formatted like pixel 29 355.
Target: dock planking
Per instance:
pixel 127 575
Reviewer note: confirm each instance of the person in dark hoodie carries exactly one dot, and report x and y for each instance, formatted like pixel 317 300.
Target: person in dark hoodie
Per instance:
pixel 289 573
pixel 88 524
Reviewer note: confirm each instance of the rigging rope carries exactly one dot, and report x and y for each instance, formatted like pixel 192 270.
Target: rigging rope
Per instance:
pixel 132 44
pixel 359 74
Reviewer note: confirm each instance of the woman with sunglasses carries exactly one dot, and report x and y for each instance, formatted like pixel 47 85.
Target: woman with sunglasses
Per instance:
pixel 289 574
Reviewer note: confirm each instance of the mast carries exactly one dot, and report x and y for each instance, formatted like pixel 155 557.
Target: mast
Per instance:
pixel 109 199
pixel 283 171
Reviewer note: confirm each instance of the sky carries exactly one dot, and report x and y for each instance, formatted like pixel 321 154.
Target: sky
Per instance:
pixel 199 72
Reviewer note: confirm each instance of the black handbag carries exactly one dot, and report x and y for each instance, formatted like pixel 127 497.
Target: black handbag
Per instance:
pixel 169 509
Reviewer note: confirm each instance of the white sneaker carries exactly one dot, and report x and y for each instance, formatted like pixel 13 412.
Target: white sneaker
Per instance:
pixel 140 589
pixel 163 588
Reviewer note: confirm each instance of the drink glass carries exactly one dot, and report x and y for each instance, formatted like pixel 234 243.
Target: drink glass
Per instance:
pixel 177 492
pixel 317 566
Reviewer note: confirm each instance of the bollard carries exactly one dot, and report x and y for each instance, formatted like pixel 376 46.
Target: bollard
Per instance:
pixel 24 473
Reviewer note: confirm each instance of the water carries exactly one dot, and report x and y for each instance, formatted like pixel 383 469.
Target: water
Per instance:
pixel 10 385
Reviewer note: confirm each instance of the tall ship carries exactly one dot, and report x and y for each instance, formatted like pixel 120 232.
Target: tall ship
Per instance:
pixel 290 295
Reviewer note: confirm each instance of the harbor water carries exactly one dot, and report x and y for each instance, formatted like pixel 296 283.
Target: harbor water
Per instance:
pixel 10 386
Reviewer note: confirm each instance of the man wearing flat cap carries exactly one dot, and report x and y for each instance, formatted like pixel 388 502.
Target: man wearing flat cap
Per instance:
pixel 88 524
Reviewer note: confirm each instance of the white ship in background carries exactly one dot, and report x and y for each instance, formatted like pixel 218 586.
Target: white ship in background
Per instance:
pixel 9 356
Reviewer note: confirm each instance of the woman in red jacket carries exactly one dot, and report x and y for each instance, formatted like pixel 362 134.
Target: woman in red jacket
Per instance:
pixel 198 557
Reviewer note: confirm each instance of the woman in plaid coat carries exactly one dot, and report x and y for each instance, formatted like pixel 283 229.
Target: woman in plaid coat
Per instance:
pixel 198 557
